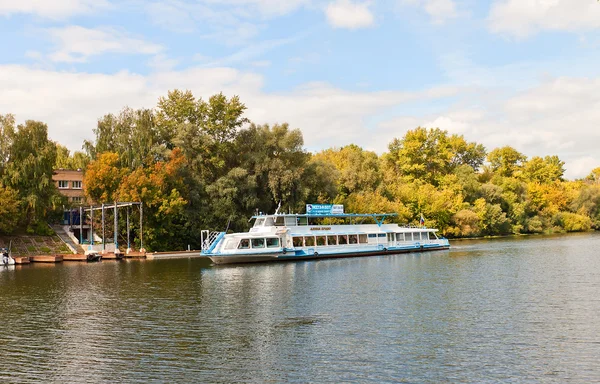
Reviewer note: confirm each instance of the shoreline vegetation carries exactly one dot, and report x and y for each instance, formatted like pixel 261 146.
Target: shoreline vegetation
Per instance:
pixel 201 164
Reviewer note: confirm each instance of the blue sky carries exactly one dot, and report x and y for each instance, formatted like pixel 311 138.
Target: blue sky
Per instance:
pixel 523 73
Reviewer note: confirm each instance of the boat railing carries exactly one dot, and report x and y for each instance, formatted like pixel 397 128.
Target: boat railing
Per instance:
pixel 209 239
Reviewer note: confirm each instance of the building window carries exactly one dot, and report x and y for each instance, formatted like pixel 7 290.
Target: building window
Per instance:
pixel 76 199
pixel 76 184
pixel 63 184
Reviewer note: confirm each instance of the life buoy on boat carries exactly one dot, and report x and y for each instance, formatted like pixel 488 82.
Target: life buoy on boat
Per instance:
pixel 284 251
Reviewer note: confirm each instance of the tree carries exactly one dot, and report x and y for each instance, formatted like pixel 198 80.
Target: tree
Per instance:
pixel 7 133
pixel 161 190
pixel 204 130
pixel 430 154
pixel 505 161
pixel 358 170
pixel 9 209
pixel 594 176
pixel 132 134
pixel 78 160
pixel 103 177
pixel 546 170
pixel 31 157
pixel 276 157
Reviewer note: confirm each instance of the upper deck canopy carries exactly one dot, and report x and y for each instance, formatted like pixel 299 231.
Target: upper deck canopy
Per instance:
pixel 291 219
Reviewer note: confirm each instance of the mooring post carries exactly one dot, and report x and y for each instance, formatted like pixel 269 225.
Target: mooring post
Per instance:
pixel 103 232
pixel 128 243
pixel 80 225
pixel 141 228
pixel 116 229
pixel 92 225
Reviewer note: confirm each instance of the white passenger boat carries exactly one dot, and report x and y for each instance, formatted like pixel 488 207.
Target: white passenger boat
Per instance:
pixel 318 235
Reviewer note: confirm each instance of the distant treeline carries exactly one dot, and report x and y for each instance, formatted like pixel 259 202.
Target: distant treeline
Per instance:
pixel 200 164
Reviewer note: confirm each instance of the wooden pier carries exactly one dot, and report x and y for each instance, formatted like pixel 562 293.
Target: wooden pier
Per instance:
pixel 46 259
pixel 175 255
pixel 74 257
pixel 135 254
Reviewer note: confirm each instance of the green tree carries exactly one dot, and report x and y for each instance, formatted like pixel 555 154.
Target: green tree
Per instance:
pixel 430 154
pixel 7 134
pixel 546 170
pixel 31 157
pixel 9 209
pixel 132 134
pixel 505 161
pixel 358 170
pixel 65 160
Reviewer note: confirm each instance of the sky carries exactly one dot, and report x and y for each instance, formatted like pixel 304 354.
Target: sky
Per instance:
pixel 524 73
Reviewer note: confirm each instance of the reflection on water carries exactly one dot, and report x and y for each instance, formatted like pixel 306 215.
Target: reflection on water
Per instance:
pixel 516 309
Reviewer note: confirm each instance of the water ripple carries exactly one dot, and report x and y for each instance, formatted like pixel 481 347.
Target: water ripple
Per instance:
pixel 518 310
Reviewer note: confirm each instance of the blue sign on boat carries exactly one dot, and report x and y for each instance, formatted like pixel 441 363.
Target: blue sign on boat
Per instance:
pixel 324 209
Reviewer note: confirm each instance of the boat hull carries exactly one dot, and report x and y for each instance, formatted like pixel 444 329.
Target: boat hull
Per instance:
pixel 237 259
pixel 302 255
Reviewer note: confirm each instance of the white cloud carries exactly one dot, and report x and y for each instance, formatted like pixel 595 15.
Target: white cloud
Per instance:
pixel 52 9
pixel 77 44
pixel 439 10
pixel 583 166
pixel 348 14
pixel 557 117
pixel 71 103
pixel 522 18
pixel 449 124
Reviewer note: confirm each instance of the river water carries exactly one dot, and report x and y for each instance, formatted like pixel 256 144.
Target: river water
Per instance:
pixel 505 310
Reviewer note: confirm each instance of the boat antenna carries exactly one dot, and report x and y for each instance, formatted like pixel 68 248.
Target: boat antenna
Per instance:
pixel 228 221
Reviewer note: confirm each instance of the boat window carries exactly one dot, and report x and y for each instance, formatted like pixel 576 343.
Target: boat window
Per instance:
pixel 259 222
pixel 363 239
pixel 342 239
pixel 309 241
pixel 320 240
pixel 279 221
pixel 390 236
pixel 290 221
pixel 258 243
pixel 298 241
pixel 303 221
pixel 399 236
pixel 331 240
pixel 353 239
pixel 269 222
pixel 417 236
pixel 231 244
pixel 272 242
pixel 409 236
pixel 244 244
pixel 432 236
pixel 381 235
pixel 372 235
